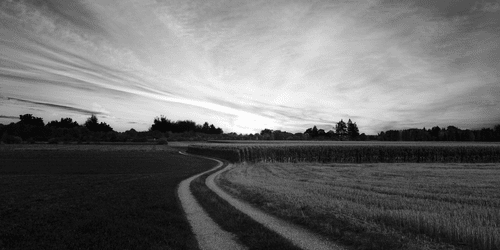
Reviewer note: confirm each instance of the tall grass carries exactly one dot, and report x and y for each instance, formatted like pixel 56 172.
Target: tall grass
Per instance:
pixel 350 153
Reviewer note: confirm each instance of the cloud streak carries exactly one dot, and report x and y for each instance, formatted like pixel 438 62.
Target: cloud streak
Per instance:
pixel 57 106
pixel 247 65
pixel 9 117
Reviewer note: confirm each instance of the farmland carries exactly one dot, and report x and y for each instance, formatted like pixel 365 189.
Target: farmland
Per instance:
pixel 373 195
pixel 380 206
pixel 351 152
pixel 93 196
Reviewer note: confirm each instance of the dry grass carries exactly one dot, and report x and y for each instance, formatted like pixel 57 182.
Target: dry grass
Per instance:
pixel 380 206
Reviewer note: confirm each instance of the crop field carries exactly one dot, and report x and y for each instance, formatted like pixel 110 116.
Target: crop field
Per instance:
pixel 351 152
pixel 94 197
pixel 380 205
pixel 305 142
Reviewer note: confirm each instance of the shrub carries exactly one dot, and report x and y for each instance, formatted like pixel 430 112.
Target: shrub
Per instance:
pixel 10 139
pixel 162 141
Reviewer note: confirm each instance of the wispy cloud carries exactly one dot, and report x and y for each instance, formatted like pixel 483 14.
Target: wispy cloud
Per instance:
pixel 97 111
pixel 248 65
pixel 9 117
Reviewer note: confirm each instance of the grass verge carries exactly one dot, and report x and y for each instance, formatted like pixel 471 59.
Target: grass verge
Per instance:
pixel 94 197
pixel 249 232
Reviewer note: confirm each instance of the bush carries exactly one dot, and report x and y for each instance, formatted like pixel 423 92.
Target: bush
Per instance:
pixel 10 139
pixel 162 141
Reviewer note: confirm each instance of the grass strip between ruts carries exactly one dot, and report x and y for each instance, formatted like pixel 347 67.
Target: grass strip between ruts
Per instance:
pixel 249 232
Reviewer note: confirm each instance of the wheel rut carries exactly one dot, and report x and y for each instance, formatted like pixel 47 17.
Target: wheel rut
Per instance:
pixel 208 234
pixel 299 236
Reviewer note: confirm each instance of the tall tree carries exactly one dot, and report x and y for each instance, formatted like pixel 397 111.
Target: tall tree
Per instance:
pixel 93 124
pixel 314 131
pixel 205 128
pixel 162 124
pixel 341 129
pixel 29 119
pixel 352 130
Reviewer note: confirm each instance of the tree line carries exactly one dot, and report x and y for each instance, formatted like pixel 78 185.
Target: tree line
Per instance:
pixel 451 133
pixel 32 129
pixel 341 131
pixel 163 125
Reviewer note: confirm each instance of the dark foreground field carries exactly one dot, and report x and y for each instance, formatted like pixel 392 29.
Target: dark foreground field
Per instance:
pixel 99 197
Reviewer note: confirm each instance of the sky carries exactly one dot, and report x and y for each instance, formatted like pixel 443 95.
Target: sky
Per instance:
pixel 249 65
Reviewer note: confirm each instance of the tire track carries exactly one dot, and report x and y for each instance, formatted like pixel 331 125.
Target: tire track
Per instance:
pixel 299 236
pixel 208 234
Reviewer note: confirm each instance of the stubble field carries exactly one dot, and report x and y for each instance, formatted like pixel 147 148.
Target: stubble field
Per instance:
pixel 94 197
pixel 380 205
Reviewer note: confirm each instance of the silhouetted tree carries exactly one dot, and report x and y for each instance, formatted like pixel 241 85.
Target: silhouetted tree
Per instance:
pixel 63 123
pixel 496 132
pixel 29 119
pixel 352 130
pixel 131 133
pixel 487 134
pixel 30 128
pixel 321 132
pixel 186 126
pixel 314 132
pixel 435 133
pixel 363 137
pixel 219 131
pixel 341 129
pixel 162 124
pixel 267 134
pixel 93 125
pixel 205 128
pixel 331 134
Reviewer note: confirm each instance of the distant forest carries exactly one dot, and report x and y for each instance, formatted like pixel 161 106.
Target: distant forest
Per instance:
pixel 31 129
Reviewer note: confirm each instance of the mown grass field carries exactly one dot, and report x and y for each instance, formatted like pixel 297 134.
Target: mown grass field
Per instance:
pixel 380 205
pixel 94 197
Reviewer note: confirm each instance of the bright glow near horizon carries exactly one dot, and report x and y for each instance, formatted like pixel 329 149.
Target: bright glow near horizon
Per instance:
pixel 250 65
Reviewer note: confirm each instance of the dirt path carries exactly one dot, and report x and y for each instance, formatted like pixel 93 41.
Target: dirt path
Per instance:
pixel 297 235
pixel 208 234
